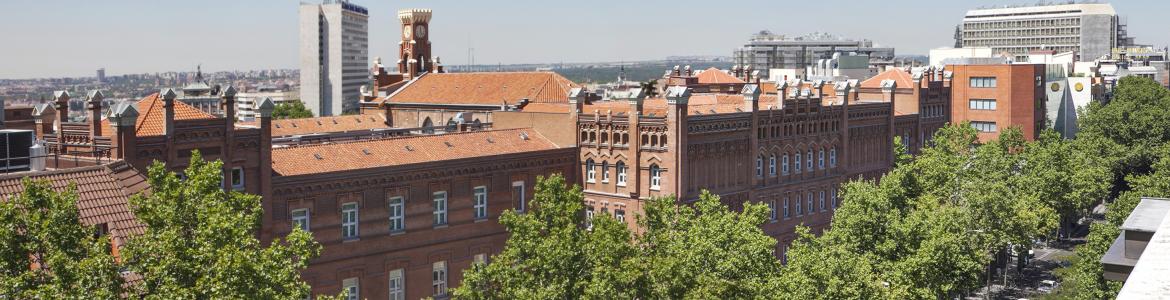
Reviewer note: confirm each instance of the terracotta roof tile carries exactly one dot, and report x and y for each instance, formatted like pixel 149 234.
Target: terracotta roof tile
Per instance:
pixel 290 127
pixel 901 77
pixel 716 76
pixel 103 192
pixel 485 88
pixel 151 116
pixel 325 158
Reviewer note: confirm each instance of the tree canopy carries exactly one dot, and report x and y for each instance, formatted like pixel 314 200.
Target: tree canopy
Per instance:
pixel 291 110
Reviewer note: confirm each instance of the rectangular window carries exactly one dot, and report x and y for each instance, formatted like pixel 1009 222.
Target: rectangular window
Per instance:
pixel 238 178
pixel 396 208
pixel 590 173
pixel 655 177
pixel 481 202
pixel 440 200
pixel 772 210
pixel 620 215
pixel 809 198
pixel 983 126
pixel 396 284
pixel 518 195
pixel 982 104
pixel 799 211
pixel 772 165
pixel 350 286
pixel 809 160
pixel 621 170
pixel 833 197
pixel 349 220
pixel 821 159
pixel 300 219
pixel 786 215
pixel 982 82
pixel 588 217
pixel 604 172
pixel 797 162
pixel 821 199
pixel 833 157
pixel 784 165
pixel 439 278
pixel 479 258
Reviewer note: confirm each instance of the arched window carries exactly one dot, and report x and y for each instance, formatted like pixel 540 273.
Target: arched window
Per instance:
pixel 772 165
pixel 799 165
pixel 645 140
pixel 605 171
pixel 428 126
pixel 584 136
pixel 821 159
pixel 617 138
pixel 592 136
pixel 784 164
pixel 625 138
pixel 759 167
pixel 604 138
pixel 663 141
pixel 833 157
pixel 654 140
pixel 655 177
pixel 590 173
pixel 621 173
pixel 809 159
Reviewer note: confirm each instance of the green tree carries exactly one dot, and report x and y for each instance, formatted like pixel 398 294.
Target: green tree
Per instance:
pixel 1068 181
pixel 901 153
pixel 45 251
pixel 291 110
pixel 200 241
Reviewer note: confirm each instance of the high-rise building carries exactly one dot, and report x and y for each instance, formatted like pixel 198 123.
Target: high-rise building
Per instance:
pixel 1091 30
pixel 101 75
pixel 767 52
pixel 334 55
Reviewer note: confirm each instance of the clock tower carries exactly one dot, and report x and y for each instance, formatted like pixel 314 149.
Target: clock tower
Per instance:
pixel 414 51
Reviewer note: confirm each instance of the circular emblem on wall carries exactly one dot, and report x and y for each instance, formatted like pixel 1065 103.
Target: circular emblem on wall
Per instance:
pixel 1055 87
pixel 1079 86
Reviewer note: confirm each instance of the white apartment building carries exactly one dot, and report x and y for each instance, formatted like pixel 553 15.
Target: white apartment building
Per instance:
pixel 1091 30
pixel 334 56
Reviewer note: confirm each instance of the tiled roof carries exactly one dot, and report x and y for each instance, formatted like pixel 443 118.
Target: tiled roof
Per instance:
pixel 485 88
pixel 151 116
pixel 716 76
pixel 324 158
pixel 901 77
pixel 290 127
pixel 103 193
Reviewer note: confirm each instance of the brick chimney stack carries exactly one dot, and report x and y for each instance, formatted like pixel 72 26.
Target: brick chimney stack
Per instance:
pixel 781 93
pixel 168 99
pixel 61 99
pixel 122 118
pixel 94 104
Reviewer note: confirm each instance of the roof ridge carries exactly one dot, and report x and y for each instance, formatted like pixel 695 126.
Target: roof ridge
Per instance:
pixel 304 146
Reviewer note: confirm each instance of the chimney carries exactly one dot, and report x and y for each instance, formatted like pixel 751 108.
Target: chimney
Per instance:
pixel 437 65
pixel 817 89
pixel 122 117
pixel 168 99
pixel 781 93
pixel 677 72
pixel 888 88
pixel 842 89
pixel 264 110
pixel 95 113
pixel 228 104
pixel 577 99
pixel 751 97
pixel 62 101
pixel 45 115
pixel 635 99
pixel 688 70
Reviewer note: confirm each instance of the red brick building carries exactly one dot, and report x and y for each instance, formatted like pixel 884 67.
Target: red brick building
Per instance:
pixel 995 97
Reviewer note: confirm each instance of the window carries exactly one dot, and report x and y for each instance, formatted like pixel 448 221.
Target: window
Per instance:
pixel 821 198
pixel 655 177
pixel 479 258
pixel 821 159
pixel 772 210
pixel 621 172
pixel 605 171
pixel 238 178
pixel 809 160
pixel 772 165
pixel 440 200
pixel 349 220
pixel 809 199
pixel 982 82
pixel 797 162
pixel 518 195
pixel 759 166
pixel 620 215
pixel 982 104
pixel 784 164
pixel 397 217
pixel 350 286
pixel 590 173
pixel 798 210
pixel 397 287
pixel 833 197
pixel 439 278
pixel 786 215
pixel 480 202
pixel 833 157
pixel 589 217
pixel 300 219
pixel 983 126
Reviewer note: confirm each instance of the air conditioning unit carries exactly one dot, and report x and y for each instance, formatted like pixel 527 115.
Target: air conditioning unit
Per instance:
pixel 14 150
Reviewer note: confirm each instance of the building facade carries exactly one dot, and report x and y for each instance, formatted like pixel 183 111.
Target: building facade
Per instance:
pixel 766 51
pixel 1091 30
pixel 334 53
pixel 995 97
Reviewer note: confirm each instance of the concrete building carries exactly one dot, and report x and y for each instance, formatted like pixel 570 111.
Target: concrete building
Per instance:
pixel 1140 255
pixel 766 51
pixel 334 53
pixel 841 68
pixel 1091 30
pixel 246 102
pixel 939 55
pixel 101 75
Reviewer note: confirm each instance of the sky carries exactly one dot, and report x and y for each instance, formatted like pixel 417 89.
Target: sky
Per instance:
pixel 68 38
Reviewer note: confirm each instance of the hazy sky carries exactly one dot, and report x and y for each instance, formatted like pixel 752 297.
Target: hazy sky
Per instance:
pixel 55 38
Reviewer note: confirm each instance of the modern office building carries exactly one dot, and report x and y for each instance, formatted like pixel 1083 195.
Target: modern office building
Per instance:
pixel 101 75
pixel 1091 30
pixel 766 51
pixel 994 97
pixel 334 56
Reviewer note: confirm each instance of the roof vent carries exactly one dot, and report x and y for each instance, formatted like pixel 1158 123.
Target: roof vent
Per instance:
pixel 523 135
pixel 319 123
pixel 490 140
pixel 334 121
pixel 409 148
pixel 293 124
pixel 448 144
pixel 277 125
pixel 318 156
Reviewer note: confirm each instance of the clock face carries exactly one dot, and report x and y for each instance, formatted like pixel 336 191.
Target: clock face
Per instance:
pixel 406 32
pixel 420 31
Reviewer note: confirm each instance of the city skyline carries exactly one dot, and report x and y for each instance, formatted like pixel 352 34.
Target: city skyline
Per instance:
pixel 233 35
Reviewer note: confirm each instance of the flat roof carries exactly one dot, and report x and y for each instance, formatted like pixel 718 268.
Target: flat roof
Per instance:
pixel 1150 278
pixel 1147 215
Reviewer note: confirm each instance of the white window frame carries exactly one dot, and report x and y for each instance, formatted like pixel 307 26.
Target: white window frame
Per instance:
pixel 772 165
pixel 238 179
pixel 982 104
pixel 759 167
pixel 821 159
pixel 439 206
pixel 351 285
pixel 821 198
pixel 809 160
pixel 655 177
pixel 786 212
pixel 811 209
pixel 349 220
pixel 480 195
pixel 589 216
pixel 605 172
pixel 798 162
pixel 784 165
pixel 620 215
pixel 300 218
pixel 833 157
pixel 522 196
pixel 621 174
pixel 396 285
pixel 833 197
pixel 590 173
pixel 799 207
pixel 396 207
pixel 772 210
pixel 439 279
